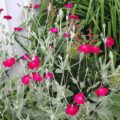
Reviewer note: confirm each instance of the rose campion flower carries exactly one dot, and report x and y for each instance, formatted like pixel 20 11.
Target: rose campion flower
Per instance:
pixel 71 110
pixel 37 59
pixel 37 77
pixel 110 42
pixel 26 79
pixel 18 29
pixel 79 98
pixel 26 56
pixel 68 5
pixel 85 48
pixel 49 75
pixel 36 6
pixel 35 63
pixel 7 17
pixel 74 17
pixel 9 62
pixel 66 35
pixel 53 30
pixel 102 91
pixel 95 49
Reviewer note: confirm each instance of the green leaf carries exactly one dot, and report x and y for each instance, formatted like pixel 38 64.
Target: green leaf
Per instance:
pixel 55 86
pixel 105 114
pixel 115 108
pixel 68 93
pixel 93 96
pixel 58 71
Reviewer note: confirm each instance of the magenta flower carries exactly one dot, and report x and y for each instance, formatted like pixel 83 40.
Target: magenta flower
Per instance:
pixel 18 29
pixel 9 62
pixel 68 5
pixel 110 42
pixel 7 17
pixel 53 30
pixel 102 91
pixel 79 98
pixel 85 48
pixel 26 56
pixel 74 17
pixel 37 77
pixel 95 49
pixel 35 63
pixel 49 75
pixel 36 6
pixel 71 110
pixel 26 79
pixel 66 35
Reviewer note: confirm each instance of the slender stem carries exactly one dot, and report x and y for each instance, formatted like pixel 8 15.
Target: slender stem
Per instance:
pixel 80 59
pixel 23 37
pixel 21 44
pixel 96 62
pixel 105 54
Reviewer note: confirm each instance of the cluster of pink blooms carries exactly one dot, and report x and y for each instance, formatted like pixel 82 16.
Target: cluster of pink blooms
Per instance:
pixel 31 64
pixel 55 30
pixel 80 99
pixel 9 62
pixel 72 16
pixel 87 48
pixel 35 76
pixel 34 64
